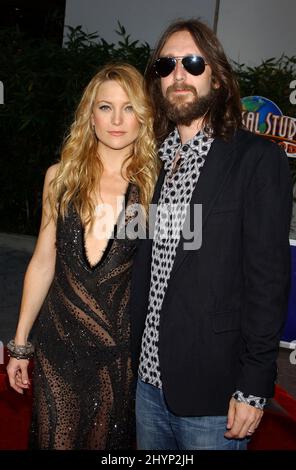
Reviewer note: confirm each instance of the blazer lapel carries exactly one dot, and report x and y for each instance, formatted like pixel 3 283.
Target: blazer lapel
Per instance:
pixel 151 219
pixel 213 176
pixel 156 194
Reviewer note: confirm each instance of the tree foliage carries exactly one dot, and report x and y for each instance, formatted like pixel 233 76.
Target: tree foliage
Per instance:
pixel 42 85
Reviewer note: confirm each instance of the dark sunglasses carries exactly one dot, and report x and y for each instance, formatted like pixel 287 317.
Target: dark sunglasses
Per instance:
pixel 193 64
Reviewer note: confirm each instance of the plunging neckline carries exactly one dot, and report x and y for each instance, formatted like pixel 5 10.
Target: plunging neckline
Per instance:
pixel 110 241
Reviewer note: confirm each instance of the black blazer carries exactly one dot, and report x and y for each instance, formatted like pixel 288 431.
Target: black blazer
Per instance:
pixel 225 305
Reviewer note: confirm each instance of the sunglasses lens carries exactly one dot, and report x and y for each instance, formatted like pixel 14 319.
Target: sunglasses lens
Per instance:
pixel 194 64
pixel 164 66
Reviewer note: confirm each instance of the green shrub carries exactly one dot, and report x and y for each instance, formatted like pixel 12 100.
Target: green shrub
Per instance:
pixel 42 85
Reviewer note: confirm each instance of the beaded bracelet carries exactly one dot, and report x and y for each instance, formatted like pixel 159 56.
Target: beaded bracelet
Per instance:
pixel 20 351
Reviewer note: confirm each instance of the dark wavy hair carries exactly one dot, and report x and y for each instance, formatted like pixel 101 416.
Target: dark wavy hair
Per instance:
pixel 224 116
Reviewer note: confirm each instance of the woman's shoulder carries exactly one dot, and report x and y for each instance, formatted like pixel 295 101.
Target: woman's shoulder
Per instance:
pixel 51 172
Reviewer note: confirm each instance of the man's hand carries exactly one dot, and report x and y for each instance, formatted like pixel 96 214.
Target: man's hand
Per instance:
pixel 242 420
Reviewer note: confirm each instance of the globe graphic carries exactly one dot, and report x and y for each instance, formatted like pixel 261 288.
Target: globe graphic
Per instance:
pixel 261 105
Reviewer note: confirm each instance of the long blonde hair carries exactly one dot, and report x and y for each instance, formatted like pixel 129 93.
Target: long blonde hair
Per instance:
pixel 80 168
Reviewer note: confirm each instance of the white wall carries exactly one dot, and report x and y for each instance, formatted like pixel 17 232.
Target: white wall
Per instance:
pixel 252 30
pixel 143 19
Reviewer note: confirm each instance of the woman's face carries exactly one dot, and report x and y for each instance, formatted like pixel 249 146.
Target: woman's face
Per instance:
pixel 114 119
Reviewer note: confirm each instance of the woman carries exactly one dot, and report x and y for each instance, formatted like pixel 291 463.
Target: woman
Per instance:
pixel 79 275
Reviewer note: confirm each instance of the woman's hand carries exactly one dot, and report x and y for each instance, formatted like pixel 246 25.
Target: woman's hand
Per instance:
pixel 17 370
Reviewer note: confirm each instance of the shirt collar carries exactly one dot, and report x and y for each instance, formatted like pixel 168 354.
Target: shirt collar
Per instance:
pixel 170 145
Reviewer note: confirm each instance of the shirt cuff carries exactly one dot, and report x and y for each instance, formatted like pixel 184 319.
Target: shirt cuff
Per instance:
pixel 257 402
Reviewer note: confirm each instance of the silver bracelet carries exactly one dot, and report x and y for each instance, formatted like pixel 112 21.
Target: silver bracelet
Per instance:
pixel 18 351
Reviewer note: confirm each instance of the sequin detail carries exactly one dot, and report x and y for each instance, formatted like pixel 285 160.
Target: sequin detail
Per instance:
pixel 83 383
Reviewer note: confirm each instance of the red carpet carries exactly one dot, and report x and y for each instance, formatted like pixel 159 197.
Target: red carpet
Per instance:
pixel 277 430
pixel 15 412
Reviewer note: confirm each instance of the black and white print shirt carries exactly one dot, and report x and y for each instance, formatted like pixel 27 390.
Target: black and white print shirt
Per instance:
pixel 179 183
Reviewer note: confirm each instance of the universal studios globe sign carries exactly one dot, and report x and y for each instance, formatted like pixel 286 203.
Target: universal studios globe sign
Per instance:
pixel 264 117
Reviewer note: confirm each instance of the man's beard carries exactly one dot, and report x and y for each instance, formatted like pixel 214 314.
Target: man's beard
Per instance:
pixel 182 112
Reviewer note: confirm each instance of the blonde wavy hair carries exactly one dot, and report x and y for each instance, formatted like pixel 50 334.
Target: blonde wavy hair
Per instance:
pixel 80 169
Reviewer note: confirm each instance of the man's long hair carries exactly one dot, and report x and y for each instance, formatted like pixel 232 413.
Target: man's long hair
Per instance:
pixel 224 116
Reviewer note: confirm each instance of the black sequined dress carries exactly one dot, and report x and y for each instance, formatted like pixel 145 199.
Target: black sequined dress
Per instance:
pixel 83 384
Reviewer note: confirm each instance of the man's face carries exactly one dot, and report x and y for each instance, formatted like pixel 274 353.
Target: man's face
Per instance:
pixel 186 97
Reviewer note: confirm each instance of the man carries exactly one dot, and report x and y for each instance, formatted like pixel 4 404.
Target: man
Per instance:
pixel 206 322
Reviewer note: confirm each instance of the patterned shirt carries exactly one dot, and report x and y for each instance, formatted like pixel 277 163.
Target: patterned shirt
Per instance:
pixel 179 183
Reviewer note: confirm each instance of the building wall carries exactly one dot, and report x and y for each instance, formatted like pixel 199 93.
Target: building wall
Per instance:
pixel 250 30
pixel 143 19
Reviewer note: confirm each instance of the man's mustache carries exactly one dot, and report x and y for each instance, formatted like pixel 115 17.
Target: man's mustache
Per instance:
pixel 178 87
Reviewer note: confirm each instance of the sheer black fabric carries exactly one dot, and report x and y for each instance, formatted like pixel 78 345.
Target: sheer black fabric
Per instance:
pixel 83 383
